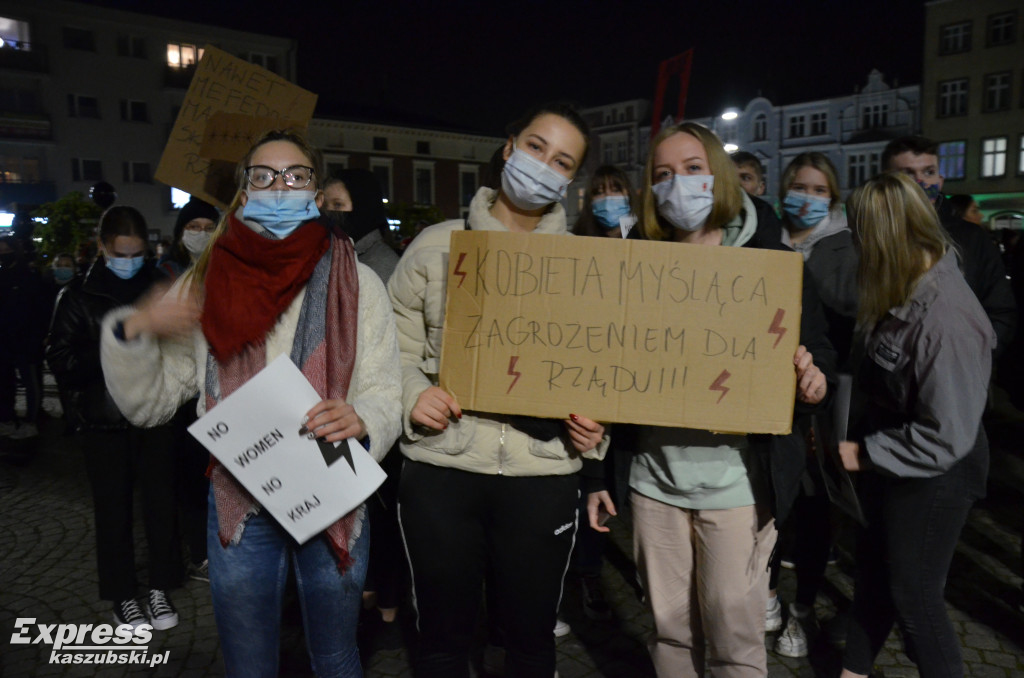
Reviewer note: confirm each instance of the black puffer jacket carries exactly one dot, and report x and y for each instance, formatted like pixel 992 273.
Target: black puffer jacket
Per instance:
pixel 73 350
pixel 984 272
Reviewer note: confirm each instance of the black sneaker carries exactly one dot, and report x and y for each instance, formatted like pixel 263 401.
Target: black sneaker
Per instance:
pixel 200 571
pixel 162 614
pixel 594 604
pixel 129 612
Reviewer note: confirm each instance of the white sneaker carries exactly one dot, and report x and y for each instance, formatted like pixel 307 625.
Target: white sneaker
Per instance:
pixel 773 615
pixel 162 614
pixel 793 641
pixel 26 430
pixel 561 628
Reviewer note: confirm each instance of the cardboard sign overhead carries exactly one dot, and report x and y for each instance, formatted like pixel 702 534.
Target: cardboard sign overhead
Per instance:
pixel 622 330
pixel 229 104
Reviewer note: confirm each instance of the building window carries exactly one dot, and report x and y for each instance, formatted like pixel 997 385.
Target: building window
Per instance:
pixel 182 55
pixel 86 170
pixel 423 147
pixel 16 169
pixel 83 107
pixel 819 124
pixel 267 61
pixel 15 34
pixel 380 143
pixel 1002 28
pixel 131 46
pixel 953 159
pixel 467 184
pixel 952 98
pixel 797 126
pixel 134 111
pixel 629 113
pixel 423 183
pixel 875 115
pixel 859 168
pixel 997 92
pixel 993 157
pixel 381 170
pixel 620 151
pixel 955 38
pixel 760 127
pixel 136 173
pixel 79 38
pixel 608 153
pixel 18 100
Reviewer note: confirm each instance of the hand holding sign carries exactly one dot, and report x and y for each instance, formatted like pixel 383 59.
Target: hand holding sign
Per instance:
pixel 333 421
pixel 434 408
pixel 811 387
pixel 255 434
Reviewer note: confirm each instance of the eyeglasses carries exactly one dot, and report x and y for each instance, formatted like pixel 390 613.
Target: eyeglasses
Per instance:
pixel 198 227
pixel 296 176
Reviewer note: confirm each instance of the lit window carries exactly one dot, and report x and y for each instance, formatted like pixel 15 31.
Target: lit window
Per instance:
pixel 993 157
pixel 953 159
pixel 182 55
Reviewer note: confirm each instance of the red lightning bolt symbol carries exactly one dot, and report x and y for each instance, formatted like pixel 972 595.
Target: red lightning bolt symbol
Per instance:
pixel 717 385
pixel 458 267
pixel 777 327
pixel 512 372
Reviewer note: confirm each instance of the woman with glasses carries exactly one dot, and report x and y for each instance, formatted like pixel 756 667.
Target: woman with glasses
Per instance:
pixel 272 281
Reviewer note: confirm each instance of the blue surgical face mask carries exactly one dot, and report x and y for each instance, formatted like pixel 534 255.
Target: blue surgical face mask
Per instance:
pixel 609 210
pixel 62 275
pixel 125 268
pixel 280 212
pixel 529 183
pixel 686 200
pixel 804 210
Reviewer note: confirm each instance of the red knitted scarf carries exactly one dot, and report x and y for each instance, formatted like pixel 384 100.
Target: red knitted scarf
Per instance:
pixel 252 279
pixel 328 366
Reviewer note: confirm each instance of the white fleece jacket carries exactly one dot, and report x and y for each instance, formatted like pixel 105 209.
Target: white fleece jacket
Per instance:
pixel 151 378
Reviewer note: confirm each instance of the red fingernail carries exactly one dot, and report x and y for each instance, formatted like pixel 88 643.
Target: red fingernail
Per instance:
pixel 574 417
pixel 459 415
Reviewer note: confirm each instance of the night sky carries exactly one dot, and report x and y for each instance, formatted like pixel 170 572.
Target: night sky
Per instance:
pixel 478 65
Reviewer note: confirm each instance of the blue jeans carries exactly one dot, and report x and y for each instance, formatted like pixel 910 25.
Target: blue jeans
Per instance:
pixel 247 583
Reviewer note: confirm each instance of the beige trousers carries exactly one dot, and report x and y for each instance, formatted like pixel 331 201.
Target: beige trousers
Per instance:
pixel 706 578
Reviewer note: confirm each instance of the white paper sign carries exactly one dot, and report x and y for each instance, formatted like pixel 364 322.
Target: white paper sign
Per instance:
pixel 305 484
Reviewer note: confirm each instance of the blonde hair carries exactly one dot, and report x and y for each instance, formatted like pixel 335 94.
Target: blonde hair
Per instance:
pixel 195 277
pixel 900 239
pixel 727 192
pixel 818 161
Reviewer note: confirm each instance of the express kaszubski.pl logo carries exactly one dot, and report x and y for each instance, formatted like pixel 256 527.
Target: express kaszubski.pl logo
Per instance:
pixel 90 644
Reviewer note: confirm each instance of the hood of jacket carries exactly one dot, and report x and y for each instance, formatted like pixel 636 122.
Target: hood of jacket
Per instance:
pixel 830 225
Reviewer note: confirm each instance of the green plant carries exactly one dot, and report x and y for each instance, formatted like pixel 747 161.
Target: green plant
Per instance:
pixel 70 221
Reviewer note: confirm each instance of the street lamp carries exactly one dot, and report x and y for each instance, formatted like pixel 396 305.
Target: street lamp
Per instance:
pixel 730 114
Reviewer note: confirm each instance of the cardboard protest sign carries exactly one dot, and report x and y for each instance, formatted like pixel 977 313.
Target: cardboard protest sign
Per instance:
pixel 305 484
pixel 229 104
pixel 631 331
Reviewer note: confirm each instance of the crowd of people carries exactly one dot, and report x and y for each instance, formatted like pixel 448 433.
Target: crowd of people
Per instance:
pixel 902 296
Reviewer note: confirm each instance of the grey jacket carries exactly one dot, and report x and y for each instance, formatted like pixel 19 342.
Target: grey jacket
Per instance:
pixel 925 374
pixel 377 254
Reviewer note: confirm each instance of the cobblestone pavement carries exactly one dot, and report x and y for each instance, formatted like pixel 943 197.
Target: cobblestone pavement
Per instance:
pixel 48 572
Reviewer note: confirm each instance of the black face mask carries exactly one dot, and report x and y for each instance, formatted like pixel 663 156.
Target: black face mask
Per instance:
pixel 333 219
